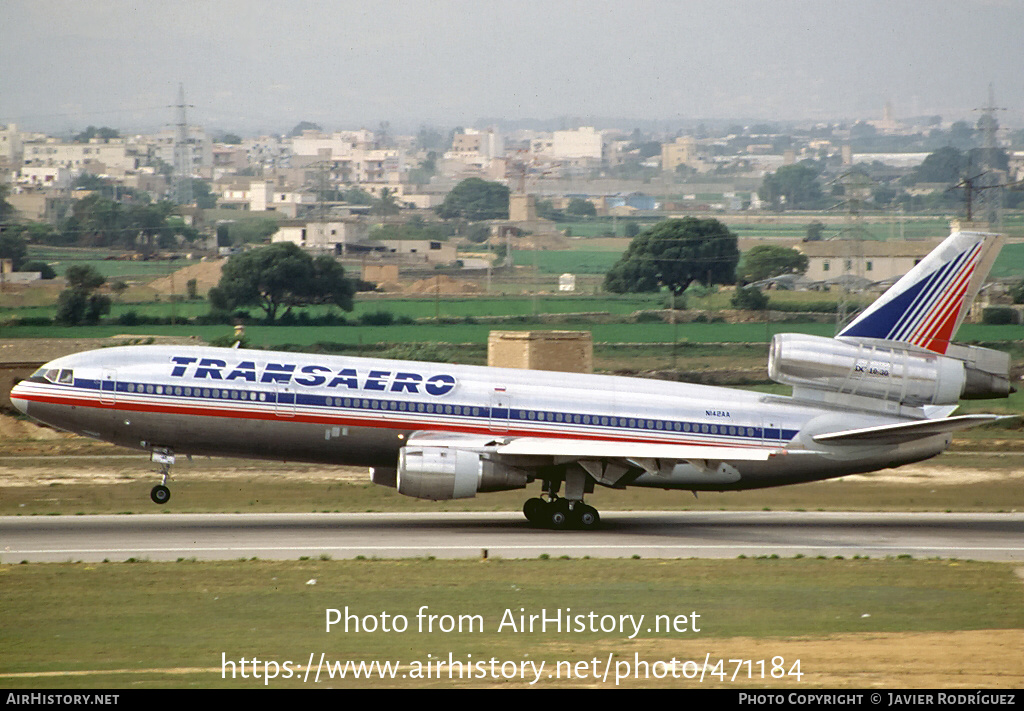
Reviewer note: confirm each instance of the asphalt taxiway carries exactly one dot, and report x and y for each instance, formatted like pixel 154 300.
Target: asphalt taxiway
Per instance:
pixel 718 534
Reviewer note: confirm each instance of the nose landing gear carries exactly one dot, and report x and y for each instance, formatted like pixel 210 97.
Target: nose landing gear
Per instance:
pixel 160 494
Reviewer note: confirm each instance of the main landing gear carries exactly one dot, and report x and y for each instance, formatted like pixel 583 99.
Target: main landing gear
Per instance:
pixel 160 494
pixel 561 514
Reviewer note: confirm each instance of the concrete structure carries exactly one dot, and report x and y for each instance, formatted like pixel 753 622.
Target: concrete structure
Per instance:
pixel 583 146
pixel 99 156
pixel 681 152
pixel 258 195
pixel 324 237
pixel 351 157
pixel 420 250
pixel 200 149
pixel 563 351
pixel 11 149
pixel 476 152
pixel 522 208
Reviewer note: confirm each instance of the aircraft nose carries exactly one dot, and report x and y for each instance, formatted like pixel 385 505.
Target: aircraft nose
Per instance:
pixel 18 399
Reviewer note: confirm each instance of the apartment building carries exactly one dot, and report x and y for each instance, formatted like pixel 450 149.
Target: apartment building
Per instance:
pixel 113 156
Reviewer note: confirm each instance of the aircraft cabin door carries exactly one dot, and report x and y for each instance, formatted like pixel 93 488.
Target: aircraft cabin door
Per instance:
pixel 500 410
pixel 770 430
pixel 284 401
pixel 108 387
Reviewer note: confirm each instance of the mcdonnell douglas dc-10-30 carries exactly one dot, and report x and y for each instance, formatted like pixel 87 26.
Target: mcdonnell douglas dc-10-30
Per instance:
pixel 879 394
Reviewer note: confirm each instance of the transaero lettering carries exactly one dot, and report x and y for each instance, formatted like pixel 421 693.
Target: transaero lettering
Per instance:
pixel 311 376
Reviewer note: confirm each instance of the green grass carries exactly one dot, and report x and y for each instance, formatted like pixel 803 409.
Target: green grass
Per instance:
pixel 200 486
pixel 274 336
pixel 575 261
pixel 189 616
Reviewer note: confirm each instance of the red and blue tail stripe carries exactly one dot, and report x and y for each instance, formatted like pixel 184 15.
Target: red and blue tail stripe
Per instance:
pixel 927 305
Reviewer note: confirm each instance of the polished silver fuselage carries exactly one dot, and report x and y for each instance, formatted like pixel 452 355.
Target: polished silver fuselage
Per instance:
pixel 357 411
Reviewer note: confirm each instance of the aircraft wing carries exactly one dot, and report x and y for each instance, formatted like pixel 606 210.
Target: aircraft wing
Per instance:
pixel 605 449
pixel 905 431
pixel 609 462
pixel 566 448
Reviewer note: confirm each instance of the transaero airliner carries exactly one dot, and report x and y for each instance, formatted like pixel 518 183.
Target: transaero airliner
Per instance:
pixel 880 394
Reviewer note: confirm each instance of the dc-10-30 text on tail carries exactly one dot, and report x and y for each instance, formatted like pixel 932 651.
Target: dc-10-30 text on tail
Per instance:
pixel 880 394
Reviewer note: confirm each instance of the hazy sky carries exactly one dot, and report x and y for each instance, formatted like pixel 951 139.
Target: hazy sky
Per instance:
pixel 253 64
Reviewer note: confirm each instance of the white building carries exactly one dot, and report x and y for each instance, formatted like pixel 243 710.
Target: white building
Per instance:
pixel 264 196
pixel 112 156
pixel 326 237
pixel 41 177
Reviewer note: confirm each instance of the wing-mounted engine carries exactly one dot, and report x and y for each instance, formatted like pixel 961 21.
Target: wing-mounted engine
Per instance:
pixel 442 473
pixel 858 371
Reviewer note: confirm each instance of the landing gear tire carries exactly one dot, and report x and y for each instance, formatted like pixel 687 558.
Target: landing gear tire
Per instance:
pixel 586 517
pixel 534 509
pixel 559 516
pixel 160 494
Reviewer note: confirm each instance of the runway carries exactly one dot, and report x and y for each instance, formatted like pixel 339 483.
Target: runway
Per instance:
pixel 719 534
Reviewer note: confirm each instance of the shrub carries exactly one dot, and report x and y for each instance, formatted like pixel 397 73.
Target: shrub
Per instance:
pixel 999 315
pixel 749 298
pixel 377 318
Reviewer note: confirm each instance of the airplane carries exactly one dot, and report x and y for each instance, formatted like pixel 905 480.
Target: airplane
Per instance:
pixel 879 394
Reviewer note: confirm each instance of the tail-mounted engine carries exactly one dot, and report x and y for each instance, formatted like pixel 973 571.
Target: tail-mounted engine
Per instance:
pixel 887 370
pixel 442 473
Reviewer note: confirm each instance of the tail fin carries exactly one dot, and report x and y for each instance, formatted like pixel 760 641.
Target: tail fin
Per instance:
pixel 927 305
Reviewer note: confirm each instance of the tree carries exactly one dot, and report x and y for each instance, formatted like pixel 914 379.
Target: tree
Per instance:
pixel 281 276
pixel 674 253
pixel 946 165
pixel 204 197
pixel 795 185
pixel 475 199
pixel 304 126
pixel 44 269
pixel 386 204
pixel 6 209
pixel 749 298
pixel 1017 292
pixel 581 208
pixel 80 303
pixel 814 231
pixel 765 261
pixel 13 247
pixel 104 133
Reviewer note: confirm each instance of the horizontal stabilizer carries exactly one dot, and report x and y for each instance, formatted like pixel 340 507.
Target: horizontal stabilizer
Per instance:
pixel 906 431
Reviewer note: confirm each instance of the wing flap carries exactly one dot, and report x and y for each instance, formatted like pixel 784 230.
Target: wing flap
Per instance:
pixel 906 431
pixel 601 449
pixel 589 449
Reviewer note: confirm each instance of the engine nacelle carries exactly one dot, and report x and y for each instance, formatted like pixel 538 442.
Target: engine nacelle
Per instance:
pixel 884 372
pixel 441 473
pixel 988 371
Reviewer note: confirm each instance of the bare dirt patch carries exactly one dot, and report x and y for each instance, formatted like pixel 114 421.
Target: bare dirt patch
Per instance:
pixel 206 274
pixel 937 660
pixel 934 475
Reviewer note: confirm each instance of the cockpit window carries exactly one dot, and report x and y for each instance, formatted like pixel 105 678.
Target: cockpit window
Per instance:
pixel 65 376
